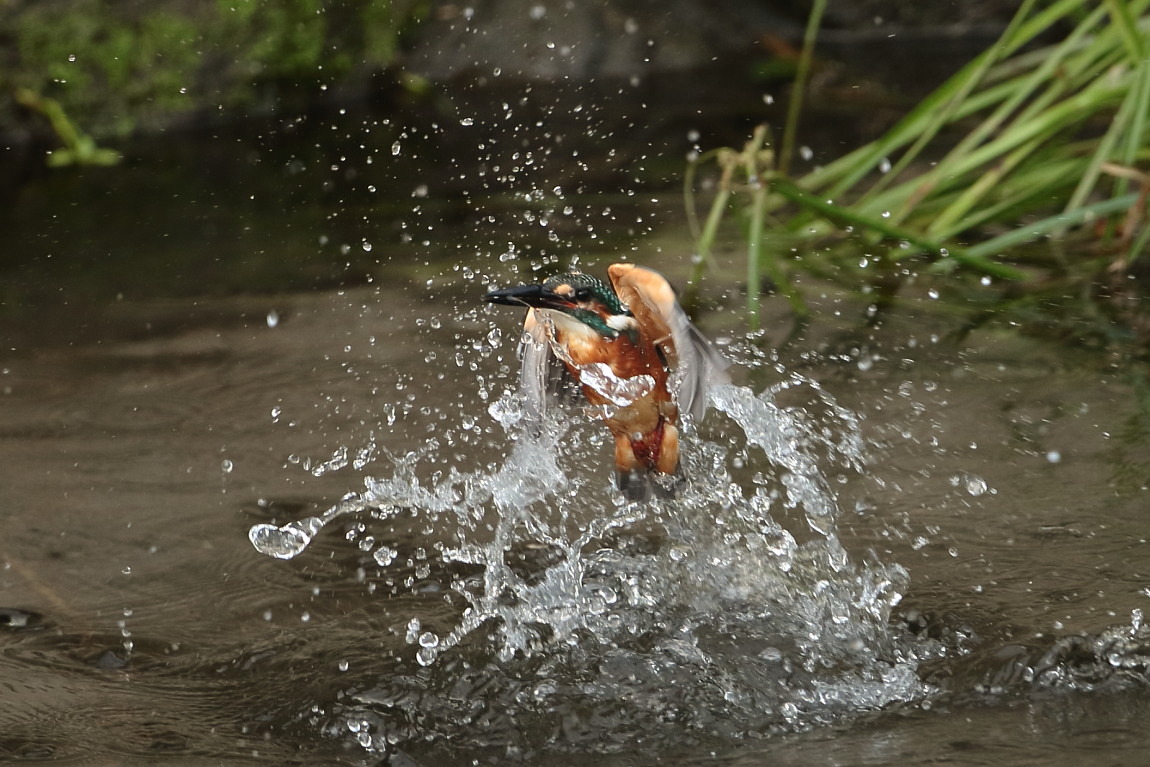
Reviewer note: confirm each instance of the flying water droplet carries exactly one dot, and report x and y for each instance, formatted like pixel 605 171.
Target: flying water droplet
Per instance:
pixel 976 485
pixel 412 631
pixel 384 555
pixel 287 541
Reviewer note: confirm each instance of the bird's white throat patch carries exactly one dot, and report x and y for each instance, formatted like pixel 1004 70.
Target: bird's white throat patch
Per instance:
pixel 622 322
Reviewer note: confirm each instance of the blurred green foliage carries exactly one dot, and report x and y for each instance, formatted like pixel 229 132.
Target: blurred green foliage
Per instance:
pixel 115 67
pixel 105 70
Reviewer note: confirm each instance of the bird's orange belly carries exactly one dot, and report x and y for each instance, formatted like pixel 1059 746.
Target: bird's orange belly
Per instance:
pixel 642 415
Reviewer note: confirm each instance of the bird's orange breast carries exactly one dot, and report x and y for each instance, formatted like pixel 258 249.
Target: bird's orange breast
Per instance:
pixel 626 359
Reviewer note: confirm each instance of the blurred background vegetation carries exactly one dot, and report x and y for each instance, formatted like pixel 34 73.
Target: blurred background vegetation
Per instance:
pixel 1042 138
pixel 111 69
pixel 1021 178
pixel 74 71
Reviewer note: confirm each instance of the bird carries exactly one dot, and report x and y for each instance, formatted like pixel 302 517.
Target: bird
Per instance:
pixel 632 352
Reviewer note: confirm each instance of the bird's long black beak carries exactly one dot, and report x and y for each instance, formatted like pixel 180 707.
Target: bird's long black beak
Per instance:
pixel 535 296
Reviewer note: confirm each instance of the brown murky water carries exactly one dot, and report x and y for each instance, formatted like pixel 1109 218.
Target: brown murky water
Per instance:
pixel 155 403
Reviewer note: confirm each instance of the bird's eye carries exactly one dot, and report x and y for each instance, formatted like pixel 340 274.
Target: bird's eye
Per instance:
pixel 583 294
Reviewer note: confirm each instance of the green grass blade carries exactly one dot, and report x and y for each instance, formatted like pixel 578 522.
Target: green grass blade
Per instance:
pixel 1102 154
pixel 1138 244
pixel 844 174
pixel 852 217
pixel 1055 223
pixel 958 89
pixel 794 108
pixel 1026 86
pixel 1122 19
pixel 1064 116
pixel 1136 135
pixel 1021 192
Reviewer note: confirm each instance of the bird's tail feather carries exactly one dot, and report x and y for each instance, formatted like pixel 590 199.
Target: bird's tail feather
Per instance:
pixel 640 484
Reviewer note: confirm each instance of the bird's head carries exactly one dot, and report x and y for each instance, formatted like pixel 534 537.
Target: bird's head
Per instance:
pixel 581 297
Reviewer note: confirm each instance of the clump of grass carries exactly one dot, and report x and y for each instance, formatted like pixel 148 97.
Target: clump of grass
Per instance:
pixel 1052 137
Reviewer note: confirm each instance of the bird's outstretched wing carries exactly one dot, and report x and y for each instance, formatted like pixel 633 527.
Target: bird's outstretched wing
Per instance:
pixel 696 364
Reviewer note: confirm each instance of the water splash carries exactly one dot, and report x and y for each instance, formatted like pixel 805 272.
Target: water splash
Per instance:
pixel 682 616
pixel 290 539
pixel 620 392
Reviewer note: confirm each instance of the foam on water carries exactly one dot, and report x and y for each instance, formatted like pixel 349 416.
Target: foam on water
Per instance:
pixel 685 616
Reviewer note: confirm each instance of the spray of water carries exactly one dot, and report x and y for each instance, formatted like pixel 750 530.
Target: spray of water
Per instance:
pixel 693 615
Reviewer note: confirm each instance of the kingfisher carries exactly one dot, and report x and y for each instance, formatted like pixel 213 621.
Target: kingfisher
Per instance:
pixel 632 352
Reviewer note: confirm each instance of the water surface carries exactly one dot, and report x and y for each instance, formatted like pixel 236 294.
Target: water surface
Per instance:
pixel 899 544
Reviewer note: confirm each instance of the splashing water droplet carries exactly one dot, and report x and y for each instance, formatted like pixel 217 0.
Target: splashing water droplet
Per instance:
pixel 287 541
pixel 412 630
pixel 384 555
pixel 976 485
pixel 619 391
